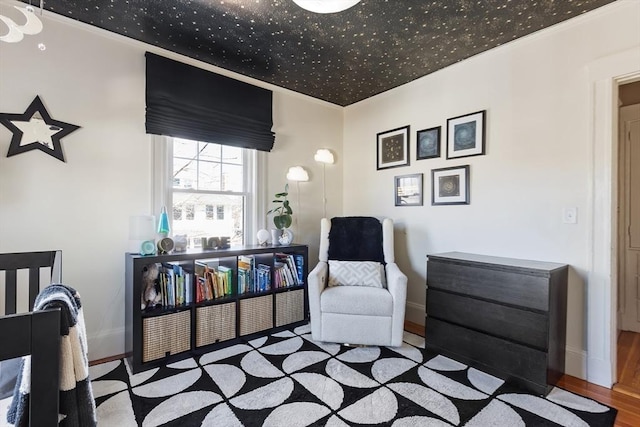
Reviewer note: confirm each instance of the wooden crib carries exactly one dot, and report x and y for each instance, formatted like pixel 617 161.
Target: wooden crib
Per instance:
pixel 35 333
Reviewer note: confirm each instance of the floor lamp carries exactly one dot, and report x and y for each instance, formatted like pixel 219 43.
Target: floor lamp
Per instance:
pixel 297 174
pixel 325 157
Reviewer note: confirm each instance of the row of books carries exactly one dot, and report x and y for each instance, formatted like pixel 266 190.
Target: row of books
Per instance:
pixel 288 270
pixel 212 281
pixel 176 285
pixel 209 280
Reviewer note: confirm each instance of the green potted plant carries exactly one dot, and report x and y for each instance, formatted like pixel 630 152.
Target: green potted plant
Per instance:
pixel 282 211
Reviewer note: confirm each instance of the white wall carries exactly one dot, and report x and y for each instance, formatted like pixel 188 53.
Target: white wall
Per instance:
pixel 94 79
pixel 537 162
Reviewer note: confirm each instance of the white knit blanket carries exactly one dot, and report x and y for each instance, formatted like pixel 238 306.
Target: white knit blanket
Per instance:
pixel 77 406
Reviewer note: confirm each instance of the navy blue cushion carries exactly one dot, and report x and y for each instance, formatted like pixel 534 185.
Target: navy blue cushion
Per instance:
pixel 356 238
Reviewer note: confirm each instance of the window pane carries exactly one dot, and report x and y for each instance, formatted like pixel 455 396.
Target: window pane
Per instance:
pixel 232 155
pixel 184 173
pixel 199 226
pixel 210 152
pixel 209 176
pixel 232 178
pixel 184 148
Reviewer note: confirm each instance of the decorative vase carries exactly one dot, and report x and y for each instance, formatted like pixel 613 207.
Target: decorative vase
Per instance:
pixel 286 238
pixel 275 236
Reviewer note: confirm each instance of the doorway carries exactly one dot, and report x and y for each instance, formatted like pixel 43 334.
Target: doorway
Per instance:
pixel 628 248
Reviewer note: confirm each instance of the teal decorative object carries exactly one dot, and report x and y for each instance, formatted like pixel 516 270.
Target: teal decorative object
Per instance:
pixel 163 224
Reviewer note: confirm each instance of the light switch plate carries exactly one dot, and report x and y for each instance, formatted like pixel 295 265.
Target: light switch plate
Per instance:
pixel 570 215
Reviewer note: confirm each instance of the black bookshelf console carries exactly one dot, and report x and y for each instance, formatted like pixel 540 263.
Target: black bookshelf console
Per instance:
pixel 260 288
pixel 502 315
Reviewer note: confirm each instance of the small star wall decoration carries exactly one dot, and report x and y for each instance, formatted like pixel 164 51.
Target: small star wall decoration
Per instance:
pixel 36 130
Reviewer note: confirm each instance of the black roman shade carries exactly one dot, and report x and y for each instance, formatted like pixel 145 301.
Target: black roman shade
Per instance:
pixel 192 103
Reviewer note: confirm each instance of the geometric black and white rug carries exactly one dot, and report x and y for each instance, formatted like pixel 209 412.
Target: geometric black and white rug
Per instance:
pixel 286 380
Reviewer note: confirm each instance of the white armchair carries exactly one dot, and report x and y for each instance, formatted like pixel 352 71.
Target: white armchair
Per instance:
pixel 347 305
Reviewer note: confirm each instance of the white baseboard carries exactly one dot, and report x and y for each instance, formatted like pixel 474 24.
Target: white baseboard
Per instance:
pixel 414 312
pixel 575 362
pixel 106 344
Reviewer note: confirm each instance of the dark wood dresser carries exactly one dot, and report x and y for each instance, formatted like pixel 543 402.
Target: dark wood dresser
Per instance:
pixel 504 316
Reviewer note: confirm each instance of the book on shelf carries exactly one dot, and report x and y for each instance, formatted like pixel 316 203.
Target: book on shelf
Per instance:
pixel 263 276
pixel 246 266
pixel 299 261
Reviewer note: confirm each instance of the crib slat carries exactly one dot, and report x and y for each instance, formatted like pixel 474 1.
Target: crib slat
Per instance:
pixel 10 292
pixel 34 285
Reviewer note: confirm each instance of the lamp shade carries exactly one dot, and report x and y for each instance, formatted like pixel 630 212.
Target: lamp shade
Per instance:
pixel 297 173
pixel 324 156
pixel 326 6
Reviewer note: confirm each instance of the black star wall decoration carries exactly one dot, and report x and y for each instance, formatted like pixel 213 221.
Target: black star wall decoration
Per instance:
pixel 36 130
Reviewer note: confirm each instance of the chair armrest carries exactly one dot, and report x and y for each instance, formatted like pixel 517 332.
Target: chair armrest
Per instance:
pixel 316 282
pixel 397 287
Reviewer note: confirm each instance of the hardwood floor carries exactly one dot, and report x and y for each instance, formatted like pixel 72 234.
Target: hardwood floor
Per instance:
pixel 628 406
pixel 628 364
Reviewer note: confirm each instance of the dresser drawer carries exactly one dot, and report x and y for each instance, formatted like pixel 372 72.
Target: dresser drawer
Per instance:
pixel 503 286
pixel 522 326
pixel 503 358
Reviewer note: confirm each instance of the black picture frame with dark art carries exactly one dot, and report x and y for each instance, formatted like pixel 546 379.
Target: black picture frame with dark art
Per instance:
pixel 450 186
pixel 408 190
pixel 428 143
pixel 466 135
pixel 392 148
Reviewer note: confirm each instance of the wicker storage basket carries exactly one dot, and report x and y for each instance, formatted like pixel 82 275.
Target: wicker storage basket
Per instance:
pixel 256 314
pixel 166 334
pixel 215 323
pixel 289 307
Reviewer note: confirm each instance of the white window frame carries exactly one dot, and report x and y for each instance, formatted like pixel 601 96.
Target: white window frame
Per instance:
pixel 254 162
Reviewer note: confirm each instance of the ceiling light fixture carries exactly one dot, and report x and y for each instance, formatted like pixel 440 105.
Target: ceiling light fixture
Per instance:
pixel 16 32
pixel 326 6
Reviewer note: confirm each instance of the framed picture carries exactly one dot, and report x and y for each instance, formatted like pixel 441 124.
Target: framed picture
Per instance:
pixel 450 186
pixel 408 190
pixel 428 143
pixel 393 148
pixel 465 135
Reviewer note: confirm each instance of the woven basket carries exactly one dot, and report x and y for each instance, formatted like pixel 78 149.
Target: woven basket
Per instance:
pixel 289 307
pixel 165 335
pixel 215 323
pixel 256 314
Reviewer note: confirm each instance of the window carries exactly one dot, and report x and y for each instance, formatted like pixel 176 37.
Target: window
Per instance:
pixel 212 191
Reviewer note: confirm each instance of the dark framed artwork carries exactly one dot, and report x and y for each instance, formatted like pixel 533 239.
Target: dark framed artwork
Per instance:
pixel 466 135
pixel 428 143
pixel 408 190
pixel 393 148
pixel 450 186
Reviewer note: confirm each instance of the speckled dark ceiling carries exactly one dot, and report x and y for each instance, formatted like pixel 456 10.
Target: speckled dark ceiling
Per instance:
pixel 341 58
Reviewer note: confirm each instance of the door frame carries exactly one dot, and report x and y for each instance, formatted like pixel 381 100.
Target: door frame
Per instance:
pixel 632 112
pixel 604 77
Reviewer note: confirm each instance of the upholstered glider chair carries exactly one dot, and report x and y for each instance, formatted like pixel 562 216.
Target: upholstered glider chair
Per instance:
pixel 357 293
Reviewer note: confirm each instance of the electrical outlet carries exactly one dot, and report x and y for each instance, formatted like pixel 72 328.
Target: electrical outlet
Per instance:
pixel 570 215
